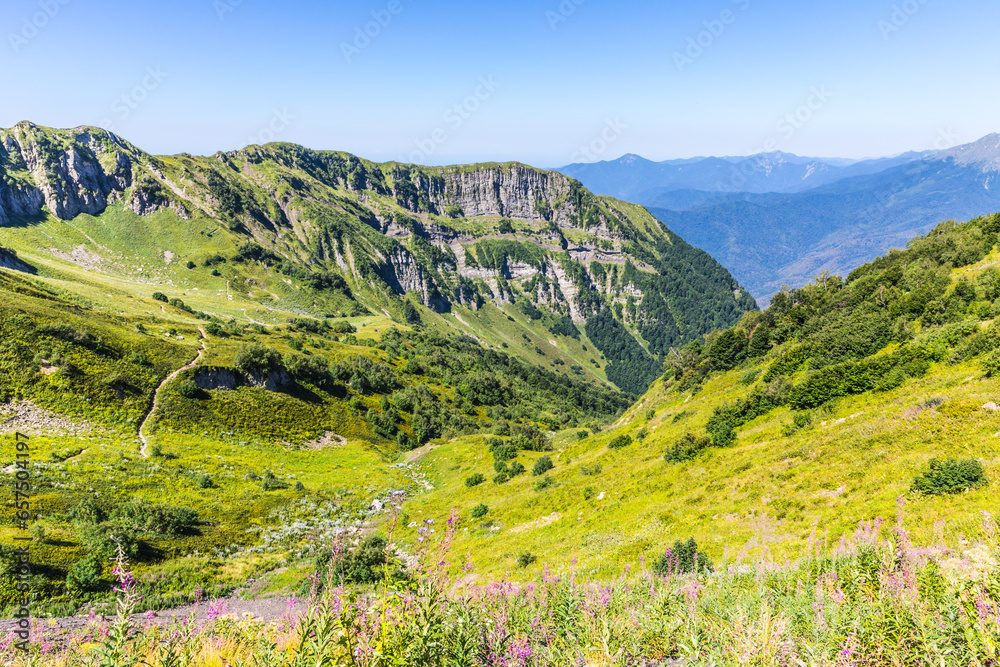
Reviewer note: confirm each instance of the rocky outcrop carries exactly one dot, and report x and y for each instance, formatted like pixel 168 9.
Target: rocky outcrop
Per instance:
pixel 219 378
pixel 271 380
pixel 513 191
pixel 9 260
pixel 216 378
pixel 69 174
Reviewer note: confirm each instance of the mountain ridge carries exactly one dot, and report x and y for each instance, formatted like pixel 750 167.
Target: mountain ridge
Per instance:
pixel 500 234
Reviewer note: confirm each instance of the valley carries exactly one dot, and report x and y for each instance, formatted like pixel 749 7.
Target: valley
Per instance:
pixel 244 373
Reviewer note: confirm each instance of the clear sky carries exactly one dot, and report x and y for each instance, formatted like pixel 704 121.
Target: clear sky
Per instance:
pixel 531 80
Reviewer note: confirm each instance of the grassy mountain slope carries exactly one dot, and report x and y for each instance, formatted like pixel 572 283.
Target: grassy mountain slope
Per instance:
pixel 450 246
pixel 341 314
pixel 798 424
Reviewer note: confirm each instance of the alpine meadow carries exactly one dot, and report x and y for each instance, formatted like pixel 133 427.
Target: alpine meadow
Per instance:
pixel 308 360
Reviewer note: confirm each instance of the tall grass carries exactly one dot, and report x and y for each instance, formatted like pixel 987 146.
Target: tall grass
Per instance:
pixel 874 599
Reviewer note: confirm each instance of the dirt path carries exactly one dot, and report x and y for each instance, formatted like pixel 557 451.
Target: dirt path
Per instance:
pixel 156 394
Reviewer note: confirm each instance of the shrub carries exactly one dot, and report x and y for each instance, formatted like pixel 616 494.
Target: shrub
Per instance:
pixel 365 564
pixel 85 575
pixel 517 468
pixel 190 264
pixel 950 476
pixel 272 483
pixel 103 539
pixel 214 329
pixel 204 481
pixel 545 483
pixel 581 435
pixel 682 557
pixel 479 511
pixel 300 487
pixel 686 447
pixel 257 357
pixel 160 296
pixel 475 480
pixel 501 477
pixel 723 435
pixel 146 517
pixel 991 364
pixel 620 442
pixel 526 559
pixel 641 434
pixel 504 451
pixel 542 466
pixel 591 470
pixel 189 389
pixel 88 511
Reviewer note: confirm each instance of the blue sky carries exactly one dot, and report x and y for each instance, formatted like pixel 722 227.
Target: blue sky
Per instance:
pixel 544 82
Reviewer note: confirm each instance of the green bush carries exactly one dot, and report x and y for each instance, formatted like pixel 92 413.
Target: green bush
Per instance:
pixel 475 480
pixel 103 539
pixel 950 476
pixel 682 557
pixel 204 481
pixel 723 435
pixel 517 468
pixel 545 483
pixel 991 364
pixel 479 511
pixel 591 470
pixel 85 575
pixel 620 442
pixel 159 296
pixel 542 466
pixel 189 389
pixel 364 564
pixel 143 516
pixel 256 357
pixel 526 559
pixel 686 447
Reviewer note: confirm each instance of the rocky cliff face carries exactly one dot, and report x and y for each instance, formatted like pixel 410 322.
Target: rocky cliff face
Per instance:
pixel 81 171
pixel 439 236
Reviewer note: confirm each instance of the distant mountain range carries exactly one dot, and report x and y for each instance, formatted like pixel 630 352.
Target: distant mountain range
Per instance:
pixel 777 218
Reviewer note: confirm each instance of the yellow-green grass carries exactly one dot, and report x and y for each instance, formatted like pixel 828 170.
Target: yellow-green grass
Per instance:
pixel 234 510
pixel 764 497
